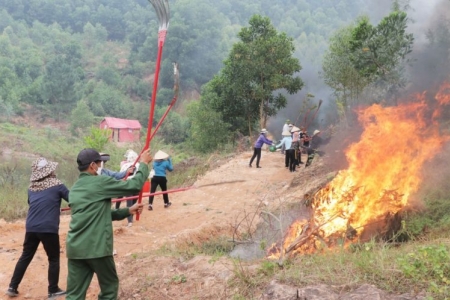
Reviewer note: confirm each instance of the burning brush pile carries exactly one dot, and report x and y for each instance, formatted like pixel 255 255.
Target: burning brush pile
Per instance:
pixel 384 171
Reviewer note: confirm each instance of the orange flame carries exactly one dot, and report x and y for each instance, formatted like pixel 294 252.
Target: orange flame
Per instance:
pixel 384 168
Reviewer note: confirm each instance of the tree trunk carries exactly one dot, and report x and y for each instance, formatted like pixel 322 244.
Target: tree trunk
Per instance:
pixel 261 115
pixel 249 128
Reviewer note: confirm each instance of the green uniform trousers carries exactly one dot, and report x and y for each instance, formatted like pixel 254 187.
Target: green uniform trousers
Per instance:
pixel 310 158
pixel 80 275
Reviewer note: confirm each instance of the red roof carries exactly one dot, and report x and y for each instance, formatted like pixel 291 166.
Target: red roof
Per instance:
pixel 122 123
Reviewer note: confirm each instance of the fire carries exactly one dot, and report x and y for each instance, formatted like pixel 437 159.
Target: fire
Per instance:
pixel 384 171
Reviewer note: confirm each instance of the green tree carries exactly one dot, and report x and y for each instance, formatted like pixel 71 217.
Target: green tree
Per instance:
pixel 105 100
pixel 379 53
pixel 208 131
pixel 63 72
pixel 97 138
pixel 175 128
pixel 339 73
pixel 256 70
pixel 81 118
pixel 194 42
pixel 363 56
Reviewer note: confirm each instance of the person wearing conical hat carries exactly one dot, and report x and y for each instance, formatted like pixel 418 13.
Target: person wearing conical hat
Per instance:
pixel 289 160
pixel 162 163
pixel 42 225
pixel 262 139
pixel 286 128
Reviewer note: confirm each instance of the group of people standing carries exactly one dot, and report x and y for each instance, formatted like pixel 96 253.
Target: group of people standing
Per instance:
pixel 294 142
pixel 89 243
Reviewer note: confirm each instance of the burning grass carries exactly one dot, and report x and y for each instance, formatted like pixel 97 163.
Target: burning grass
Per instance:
pixel 385 170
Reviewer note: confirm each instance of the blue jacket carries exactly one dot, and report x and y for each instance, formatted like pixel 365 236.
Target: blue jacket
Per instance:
pixel 45 208
pixel 115 175
pixel 160 167
pixel 287 141
pixel 262 140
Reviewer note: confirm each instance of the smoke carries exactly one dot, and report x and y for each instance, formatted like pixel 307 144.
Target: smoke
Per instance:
pixel 296 108
pixel 431 48
pixel 428 68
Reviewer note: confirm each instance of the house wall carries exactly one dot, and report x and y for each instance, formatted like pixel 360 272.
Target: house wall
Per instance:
pixel 128 135
pixel 122 134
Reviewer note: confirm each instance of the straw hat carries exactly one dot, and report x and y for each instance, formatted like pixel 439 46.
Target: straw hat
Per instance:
pixel 161 155
pixel 263 130
pixel 285 133
pixel 42 168
pixel 131 155
pixel 316 132
pixel 295 128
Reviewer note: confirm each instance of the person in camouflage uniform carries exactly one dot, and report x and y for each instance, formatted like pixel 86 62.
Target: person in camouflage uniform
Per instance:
pixel 315 141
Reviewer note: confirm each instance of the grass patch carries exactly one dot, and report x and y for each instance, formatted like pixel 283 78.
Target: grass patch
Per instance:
pixel 63 148
pixel 213 241
pixel 411 268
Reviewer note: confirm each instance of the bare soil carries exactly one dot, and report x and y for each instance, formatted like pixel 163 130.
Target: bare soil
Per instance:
pixel 220 199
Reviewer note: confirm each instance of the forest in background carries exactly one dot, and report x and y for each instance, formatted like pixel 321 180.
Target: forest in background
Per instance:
pixel 81 59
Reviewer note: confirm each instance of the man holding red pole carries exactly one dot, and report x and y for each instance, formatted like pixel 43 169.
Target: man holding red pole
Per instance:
pixel 90 238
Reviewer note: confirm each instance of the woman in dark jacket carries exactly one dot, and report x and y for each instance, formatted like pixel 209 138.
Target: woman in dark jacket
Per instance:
pixel 44 198
pixel 262 139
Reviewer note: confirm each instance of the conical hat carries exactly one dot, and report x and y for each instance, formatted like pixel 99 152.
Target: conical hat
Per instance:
pixel 295 128
pixel 316 132
pixel 161 155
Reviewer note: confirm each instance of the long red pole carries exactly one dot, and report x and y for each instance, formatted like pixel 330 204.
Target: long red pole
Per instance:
pixel 161 38
pixel 145 195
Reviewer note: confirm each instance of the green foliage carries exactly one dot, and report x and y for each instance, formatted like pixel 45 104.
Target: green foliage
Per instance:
pixel 81 118
pixel 361 55
pixel 6 110
pixel 179 278
pixel 428 264
pixel 63 72
pixel 97 138
pixel 257 67
pixel 195 27
pixel 174 128
pixel 378 50
pixel 13 191
pixel 339 72
pixel 268 267
pixel 105 100
pixel 208 130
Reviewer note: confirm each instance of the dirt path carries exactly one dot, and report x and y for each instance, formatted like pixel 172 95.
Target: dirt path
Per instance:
pixel 221 195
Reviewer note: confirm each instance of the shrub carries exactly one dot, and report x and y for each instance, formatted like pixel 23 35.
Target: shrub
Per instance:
pixel 98 138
